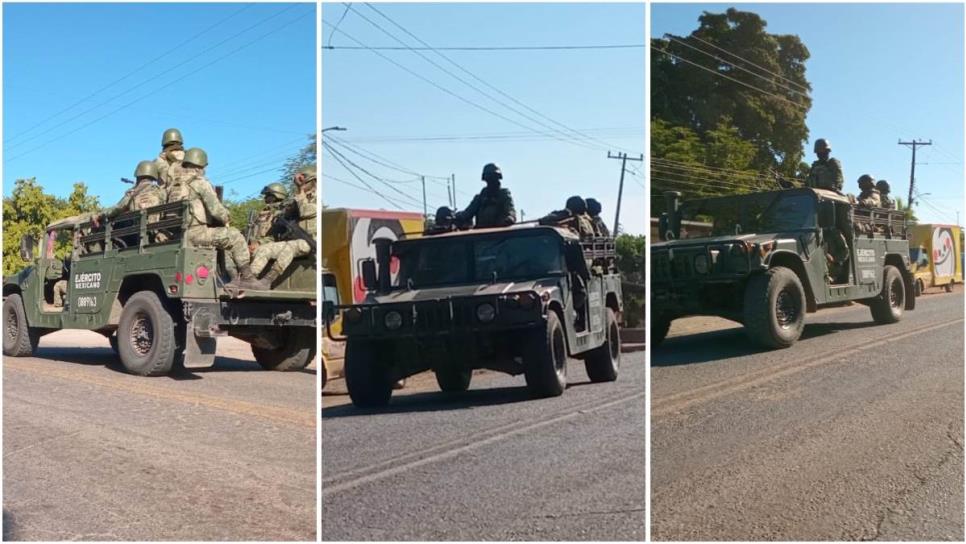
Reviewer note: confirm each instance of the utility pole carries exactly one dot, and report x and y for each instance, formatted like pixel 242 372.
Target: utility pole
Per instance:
pixel 912 173
pixel 453 176
pixel 425 211
pixel 620 189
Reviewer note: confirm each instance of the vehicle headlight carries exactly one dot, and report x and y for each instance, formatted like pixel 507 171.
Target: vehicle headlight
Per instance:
pixel 485 312
pixel 701 264
pixel 393 320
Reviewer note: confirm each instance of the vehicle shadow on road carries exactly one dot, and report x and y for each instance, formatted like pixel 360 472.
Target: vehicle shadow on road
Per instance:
pixel 708 347
pixel 435 401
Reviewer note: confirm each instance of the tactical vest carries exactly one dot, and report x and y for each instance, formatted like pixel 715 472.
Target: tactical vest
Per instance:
pixel 145 196
pixel 308 209
pixel 264 220
pixel 181 188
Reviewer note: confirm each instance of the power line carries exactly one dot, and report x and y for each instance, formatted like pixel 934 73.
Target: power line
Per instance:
pixel 486 83
pixel 343 159
pixel 565 137
pixel 495 48
pixel 149 80
pixel 130 73
pixel 766 70
pixel 716 57
pixel 163 87
pixel 369 187
pixel 719 74
pixel 378 159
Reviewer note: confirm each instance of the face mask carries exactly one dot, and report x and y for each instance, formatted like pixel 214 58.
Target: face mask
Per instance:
pixel 175 155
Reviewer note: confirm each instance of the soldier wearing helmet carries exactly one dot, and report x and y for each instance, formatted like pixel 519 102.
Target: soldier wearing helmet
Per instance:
pixel 883 187
pixel 274 196
pixel 493 207
pixel 172 153
pixel 869 197
pixel 442 223
pixel 204 210
pixel 573 216
pixel 593 210
pixel 826 172
pixel 145 194
pixel 303 209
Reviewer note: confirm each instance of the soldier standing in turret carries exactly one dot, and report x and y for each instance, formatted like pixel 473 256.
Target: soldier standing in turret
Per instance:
pixel 826 172
pixel 593 210
pixel 493 207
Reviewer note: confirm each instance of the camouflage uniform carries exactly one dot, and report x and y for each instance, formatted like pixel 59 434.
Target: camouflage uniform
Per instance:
pixel 490 208
pixel 261 233
pixel 579 223
pixel 884 190
pixel 826 174
pixel 600 228
pixel 190 184
pixel 55 271
pixel 142 196
pixel 837 252
pixel 169 160
pixel 305 207
pixel 443 222
pixel 869 198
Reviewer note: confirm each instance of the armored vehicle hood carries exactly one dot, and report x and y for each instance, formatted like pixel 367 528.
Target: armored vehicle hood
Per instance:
pixel 460 291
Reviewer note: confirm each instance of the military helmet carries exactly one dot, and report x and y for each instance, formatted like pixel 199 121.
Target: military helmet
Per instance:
pixel 576 204
pixel 593 207
pixel 196 156
pixel 275 189
pixel 822 145
pixel 171 136
pixel 492 169
pixel 308 171
pixel 866 181
pixel 444 215
pixel 146 169
pixel 883 186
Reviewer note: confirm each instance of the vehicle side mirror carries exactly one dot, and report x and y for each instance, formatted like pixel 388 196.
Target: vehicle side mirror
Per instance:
pixel 369 280
pixel 27 244
pixel 328 311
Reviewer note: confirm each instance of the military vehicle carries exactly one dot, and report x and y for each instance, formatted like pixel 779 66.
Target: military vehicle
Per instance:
pixel 517 300
pixel 772 257
pixel 162 302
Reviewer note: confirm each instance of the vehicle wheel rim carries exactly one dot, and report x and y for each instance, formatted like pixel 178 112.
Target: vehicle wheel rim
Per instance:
pixel 142 335
pixel 12 325
pixel 786 309
pixel 559 354
pixel 895 294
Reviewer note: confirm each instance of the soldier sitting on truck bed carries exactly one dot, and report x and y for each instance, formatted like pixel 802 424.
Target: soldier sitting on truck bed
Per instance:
pixel 573 216
pixel 274 195
pixel 869 197
pixel 145 194
pixel 301 209
pixel 593 210
pixel 205 209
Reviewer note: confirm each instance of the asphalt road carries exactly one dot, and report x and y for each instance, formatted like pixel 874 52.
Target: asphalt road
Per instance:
pixel 489 464
pixel 91 453
pixel 854 433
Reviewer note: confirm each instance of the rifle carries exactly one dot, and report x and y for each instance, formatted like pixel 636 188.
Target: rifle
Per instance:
pixel 126 180
pixel 289 229
pixel 250 231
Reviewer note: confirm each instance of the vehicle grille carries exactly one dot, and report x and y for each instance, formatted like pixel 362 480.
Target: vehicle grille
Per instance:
pixel 433 316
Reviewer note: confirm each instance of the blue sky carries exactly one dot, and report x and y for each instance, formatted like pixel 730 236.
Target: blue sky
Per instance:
pixel 390 112
pixel 248 110
pixel 879 73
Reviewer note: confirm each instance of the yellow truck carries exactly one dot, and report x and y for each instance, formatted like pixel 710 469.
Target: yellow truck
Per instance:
pixel 347 236
pixel 937 252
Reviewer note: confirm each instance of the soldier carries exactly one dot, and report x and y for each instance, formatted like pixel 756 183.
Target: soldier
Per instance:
pixel 593 210
pixel 573 216
pixel 283 252
pixel 56 271
pixel 826 172
pixel 869 197
pixel 274 195
pixel 443 222
pixel 172 153
pixel 884 189
pixel 191 184
pixel 493 207
pixel 145 193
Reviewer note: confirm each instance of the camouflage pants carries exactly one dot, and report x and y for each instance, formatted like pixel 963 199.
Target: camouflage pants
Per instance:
pixel 282 252
pixel 228 239
pixel 60 293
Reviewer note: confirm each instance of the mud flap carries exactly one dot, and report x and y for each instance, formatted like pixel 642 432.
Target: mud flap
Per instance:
pixel 199 351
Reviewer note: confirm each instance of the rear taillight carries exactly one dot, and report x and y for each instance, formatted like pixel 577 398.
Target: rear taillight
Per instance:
pixel 202 272
pixel 189 279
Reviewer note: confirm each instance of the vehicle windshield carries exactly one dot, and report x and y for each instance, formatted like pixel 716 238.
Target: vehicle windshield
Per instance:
pixel 754 214
pixel 466 259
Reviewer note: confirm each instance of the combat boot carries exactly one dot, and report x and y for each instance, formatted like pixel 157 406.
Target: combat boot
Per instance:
pixel 265 284
pixel 245 279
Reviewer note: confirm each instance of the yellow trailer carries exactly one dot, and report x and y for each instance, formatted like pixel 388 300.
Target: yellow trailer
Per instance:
pixel 347 236
pixel 937 252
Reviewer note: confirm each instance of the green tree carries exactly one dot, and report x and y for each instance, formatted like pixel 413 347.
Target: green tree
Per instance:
pixel 630 263
pixel 306 155
pixel 707 92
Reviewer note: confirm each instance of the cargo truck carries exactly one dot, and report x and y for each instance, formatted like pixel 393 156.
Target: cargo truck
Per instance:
pixel 936 250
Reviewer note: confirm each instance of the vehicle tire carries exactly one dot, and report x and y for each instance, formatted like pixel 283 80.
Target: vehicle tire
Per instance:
pixel 325 374
pixel 774 312
pixel 296 352
pixel 453 379
pixel 19 339
pixel 659 329
pixel 367 378
pixel 919 288
pixel 603 363
pixel 545 360
pixel 146 341
pixel 948 287
pixel 889 305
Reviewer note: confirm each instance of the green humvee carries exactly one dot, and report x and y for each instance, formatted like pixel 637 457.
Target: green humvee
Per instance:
pixel 773 256
pixel 517 300
pixel 161 303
